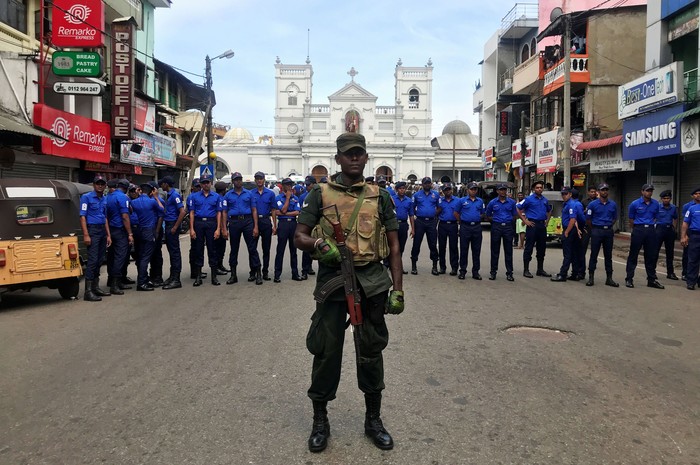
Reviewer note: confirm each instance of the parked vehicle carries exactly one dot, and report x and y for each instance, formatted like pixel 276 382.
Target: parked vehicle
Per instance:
pixel 487 192
pixel 39 236
pixel 555 231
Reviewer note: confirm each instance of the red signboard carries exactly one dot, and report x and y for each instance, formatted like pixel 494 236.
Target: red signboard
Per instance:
pixel 123 79
pixel 78 23
pixel 85 139
pixel 504 123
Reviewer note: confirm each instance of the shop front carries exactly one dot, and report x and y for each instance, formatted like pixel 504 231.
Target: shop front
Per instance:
pixel 690 159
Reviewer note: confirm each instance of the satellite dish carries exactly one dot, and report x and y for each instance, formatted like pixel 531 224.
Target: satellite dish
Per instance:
pixel 555 13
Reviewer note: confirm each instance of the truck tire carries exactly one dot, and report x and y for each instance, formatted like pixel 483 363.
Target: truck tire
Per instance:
pixel 69 288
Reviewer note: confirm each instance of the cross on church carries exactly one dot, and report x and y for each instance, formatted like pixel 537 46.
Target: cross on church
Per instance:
pixel 353 73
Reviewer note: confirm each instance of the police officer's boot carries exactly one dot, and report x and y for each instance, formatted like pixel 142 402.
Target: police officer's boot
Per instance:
pixel 540 269
pixel 114 286
pixel 321 429
pixel 214 279
pixel 435 271
pixel 414 266
pixel 609 281
pixel 174 282
pixel 89 294
pixel 373 423
pixel 526 270
pixel 590 281
pixel 123 284
pixel 96 289
pixel 197 277
pixel 258 277
pixel 233 279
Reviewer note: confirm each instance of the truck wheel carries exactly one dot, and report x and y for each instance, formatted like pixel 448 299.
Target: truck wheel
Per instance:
pixel 69 288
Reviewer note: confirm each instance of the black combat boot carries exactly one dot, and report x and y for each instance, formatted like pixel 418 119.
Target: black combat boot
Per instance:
pixel 258 277
pixel 609 281
pixel 114 286
pixel 233 279
pixel 540 270
pixel 197 277
pixel 214 279
pixel 321 429
pixel 526 270
pixel 123 283
pixel 89 295
pixel 373 423
pixel 96 289
pixel 174 282
pixel 435 271
pixel 591 280
pixel 414 266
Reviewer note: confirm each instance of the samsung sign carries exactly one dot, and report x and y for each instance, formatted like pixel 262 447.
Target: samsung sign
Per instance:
pixel 651 135
pixel 653 90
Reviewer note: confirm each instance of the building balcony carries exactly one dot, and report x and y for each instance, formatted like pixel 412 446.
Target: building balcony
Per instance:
pixel 528 75
pixel 554 76
pixel 505 82
pixel 520 20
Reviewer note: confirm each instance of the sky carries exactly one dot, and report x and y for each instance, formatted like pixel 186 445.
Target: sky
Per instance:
pixel 370 36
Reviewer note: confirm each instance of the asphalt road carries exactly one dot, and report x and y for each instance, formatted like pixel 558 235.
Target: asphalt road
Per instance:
pixel 219 375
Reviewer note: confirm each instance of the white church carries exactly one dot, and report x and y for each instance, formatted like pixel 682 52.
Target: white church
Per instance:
pixel 399 142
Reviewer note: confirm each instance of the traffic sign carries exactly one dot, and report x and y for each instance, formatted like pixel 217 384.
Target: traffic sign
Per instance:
pixel 86 64
pixel 78 88
pixel 206 170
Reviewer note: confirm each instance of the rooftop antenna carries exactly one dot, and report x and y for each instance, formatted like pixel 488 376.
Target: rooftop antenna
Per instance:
pixel 308 40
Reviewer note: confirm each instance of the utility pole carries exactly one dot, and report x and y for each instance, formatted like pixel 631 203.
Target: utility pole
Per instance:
pixel 566 153
pixel 454 157
pixel 208 83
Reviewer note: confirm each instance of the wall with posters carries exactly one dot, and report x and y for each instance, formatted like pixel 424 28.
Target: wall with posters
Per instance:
pixel 149 150
pixel 546 152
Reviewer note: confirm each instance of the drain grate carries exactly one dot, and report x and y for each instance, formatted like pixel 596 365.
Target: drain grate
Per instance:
pixel 539 333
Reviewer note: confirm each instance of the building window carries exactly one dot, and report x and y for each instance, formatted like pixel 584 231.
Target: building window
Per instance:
pixel 352 121
pixel 525 53
pixel 413 99
pixel 14 14
pixel 318 125
pixel 292 101
pixel 533 46
pixel 544 113
pixel 386 126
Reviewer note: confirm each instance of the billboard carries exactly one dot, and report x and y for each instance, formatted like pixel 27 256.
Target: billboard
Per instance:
pixel 651 135
pixel 546 152
pixel 78 23
pixel 654 90
pixel 123 71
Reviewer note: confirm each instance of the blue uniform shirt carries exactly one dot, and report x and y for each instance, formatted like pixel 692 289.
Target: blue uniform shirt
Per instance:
pixel 147 210
pixel 535 208
pixel 667 215
pixel 294 205
pixel 425 205
pixel 404 207
pixel 94 208
pixel 470 210
pixel 447 208
pixel 686 207
pixel 580 215
pixel 643 213
pixel 238 204
pixel 173 204
pixel 204 206
pixel 117 204
pixel 568 212
pixel 265 201
pixel 501 212
pixel 602 214
pixel 692 217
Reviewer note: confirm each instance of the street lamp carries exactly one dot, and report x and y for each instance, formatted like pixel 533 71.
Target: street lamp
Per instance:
pixel 227 54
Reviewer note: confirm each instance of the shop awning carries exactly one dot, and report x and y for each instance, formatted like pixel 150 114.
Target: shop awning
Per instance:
pixel 684 115
pixel 9 123
pixel 596 144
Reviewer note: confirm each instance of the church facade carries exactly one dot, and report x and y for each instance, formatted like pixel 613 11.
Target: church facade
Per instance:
pixel 398 135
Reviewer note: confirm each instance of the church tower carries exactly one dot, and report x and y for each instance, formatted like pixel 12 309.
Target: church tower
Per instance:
pixel 293 86
pixel 414 92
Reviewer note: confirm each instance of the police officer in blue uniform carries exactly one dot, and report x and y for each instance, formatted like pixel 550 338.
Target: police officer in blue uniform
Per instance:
pixel 122 237
pixel 578 265
pixel 205 226
pixel 242 215
pixel 448 229
pixel 404 214
pixel 306 261
pixel 133 193
pixel 96 235
pixel 535 211
pixel 666 226
pixel 501 212
pixel 600 218
pixel 425 207
pixel 571 240
pixel 285 223
pixel 470 212
pixel 149 210
pixel 690 239
pixel 220 187
pixel 684 210
pixel 156 272
pixel 265 204
pixel 174 214
pixel 642 216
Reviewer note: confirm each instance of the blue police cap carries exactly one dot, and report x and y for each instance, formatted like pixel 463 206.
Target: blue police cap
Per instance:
pixel 695 191
pixel 381 179
pixel 153 184
pixel 446 186
pixel 259 174
pixel 426 180
pixel 472 185
pixel 237 175
pixel 323 180
pixel 665 193
pixel 648 187
pixel 501 186
pixel 400 184
pixel 310 180
pixel 123 183
pixel 287 181
pixel 112 182
pixel 146 186
pixel 167 180
pixel 205 178
pixel 566 190
pixel 602 186
pixel 99 178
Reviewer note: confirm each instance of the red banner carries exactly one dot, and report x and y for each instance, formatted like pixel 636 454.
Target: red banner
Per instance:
pixel 78 23
pixel 85 139
pixel 123 79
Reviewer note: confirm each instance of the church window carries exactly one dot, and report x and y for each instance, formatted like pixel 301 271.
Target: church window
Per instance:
pixel 292 101
pixel 413 99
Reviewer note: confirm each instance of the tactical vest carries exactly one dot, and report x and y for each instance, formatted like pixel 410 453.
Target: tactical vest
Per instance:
pixel 366 238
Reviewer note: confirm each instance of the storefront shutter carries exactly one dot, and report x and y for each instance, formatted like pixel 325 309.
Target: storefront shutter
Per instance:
pixel 690 178
pixel 28 170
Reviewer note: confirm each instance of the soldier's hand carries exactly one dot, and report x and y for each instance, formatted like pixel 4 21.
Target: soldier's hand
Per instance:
pixel 217 234
pixel 193 235
pixel 412 234
pixel 394 304
pixel 87 239
pixel 328 253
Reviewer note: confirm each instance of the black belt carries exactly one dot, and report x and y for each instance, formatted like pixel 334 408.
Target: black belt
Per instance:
pixel 601 227
pixel 286 219
pixel 239 217
pixel 205 218
pixel 693 231
pixel 502 224
pixel 644 225
pixel 665 225
pixel 264 216
pixel 424 218
pixel 536 221
pixel 447 222
pixel 402 221
pixel 471 223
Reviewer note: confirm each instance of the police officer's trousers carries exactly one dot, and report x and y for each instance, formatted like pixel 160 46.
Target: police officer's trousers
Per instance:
pixel 693 258
pixel 147 243
pixel 265 237
pixel 666 237
pixel 204 230
pixel 470 234
pixel 535 237
pixel 285 237
pixel 118 252
pixel 96 250
pixel 425 227
pixel 157 256
pixel 448 231
pixel 172 242
pixel 502 232
pixel 643 236
pixel 585 242
pixel 236 229
pixel 403 234
pixel 220 244
pixel 134 250
pixel 571 248
pixel 325 341
pixel 601 236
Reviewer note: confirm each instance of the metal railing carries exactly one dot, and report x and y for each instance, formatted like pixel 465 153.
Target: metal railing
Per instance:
pixel 690 85
pixel 506 80
pixel 519 11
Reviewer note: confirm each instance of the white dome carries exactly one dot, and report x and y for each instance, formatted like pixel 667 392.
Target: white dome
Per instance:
pixel 238 135
pixel 457 127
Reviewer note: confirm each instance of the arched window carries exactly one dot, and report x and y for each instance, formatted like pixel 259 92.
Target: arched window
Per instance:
pixel 525 53
pixel 413 99
pixel 352 121
pixel 533 46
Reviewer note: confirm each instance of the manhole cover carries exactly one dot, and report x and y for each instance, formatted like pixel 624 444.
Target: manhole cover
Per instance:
pixel 539 333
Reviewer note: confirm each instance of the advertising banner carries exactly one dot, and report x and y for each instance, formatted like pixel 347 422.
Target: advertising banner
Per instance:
pixel 487 158
pixel 78 23
pixel 546 152
pixel 654 90
pixel 145 116
pixel 651 135
pixel 123 78
pixel 608 160
pixel 81 138
pixel 517 156
pixel 148 149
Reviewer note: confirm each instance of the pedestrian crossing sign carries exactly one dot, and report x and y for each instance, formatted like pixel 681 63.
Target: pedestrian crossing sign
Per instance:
pixel 207 170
